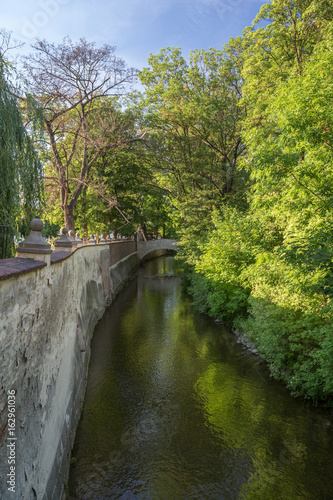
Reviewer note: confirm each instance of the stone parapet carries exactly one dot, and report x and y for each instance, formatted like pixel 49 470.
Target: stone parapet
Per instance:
pixel 147 249
pixel 16 266
pixel 47 317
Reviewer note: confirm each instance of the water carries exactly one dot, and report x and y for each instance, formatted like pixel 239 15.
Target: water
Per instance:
pixel 176 409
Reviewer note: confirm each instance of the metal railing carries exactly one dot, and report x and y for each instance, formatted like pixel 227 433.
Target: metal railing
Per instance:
pixel 4 231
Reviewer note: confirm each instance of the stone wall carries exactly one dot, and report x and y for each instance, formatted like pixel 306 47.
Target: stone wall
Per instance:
pixel 120 249
pixel 120 271
pixel 48 314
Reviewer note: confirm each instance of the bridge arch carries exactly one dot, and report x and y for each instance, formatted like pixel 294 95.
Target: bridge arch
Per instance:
pixel 155 248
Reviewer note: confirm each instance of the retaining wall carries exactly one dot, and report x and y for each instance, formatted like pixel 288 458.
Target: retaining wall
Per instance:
pixel 48 314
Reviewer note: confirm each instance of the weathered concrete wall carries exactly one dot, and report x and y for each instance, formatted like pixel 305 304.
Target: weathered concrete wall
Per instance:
pixel 120 249
pixel 47 320
pixel 120 272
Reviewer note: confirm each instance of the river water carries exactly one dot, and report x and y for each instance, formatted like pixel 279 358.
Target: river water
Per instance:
pixel 177 409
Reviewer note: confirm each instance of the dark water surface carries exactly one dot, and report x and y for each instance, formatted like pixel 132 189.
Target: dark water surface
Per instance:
pixel 176 409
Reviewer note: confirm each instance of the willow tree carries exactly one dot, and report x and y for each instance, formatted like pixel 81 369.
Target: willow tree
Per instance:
pixel 20 167
pixel 76 86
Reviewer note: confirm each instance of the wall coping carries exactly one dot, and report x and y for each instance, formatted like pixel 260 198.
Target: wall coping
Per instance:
pixel 10 268
pixel 16 266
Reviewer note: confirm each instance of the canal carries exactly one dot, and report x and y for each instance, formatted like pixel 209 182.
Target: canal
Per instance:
pixel 176 409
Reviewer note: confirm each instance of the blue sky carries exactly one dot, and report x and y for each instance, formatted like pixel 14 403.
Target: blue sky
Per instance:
pixel 136 27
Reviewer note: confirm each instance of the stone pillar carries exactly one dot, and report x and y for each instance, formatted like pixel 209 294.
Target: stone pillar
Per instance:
pixel 102 240
pixel 34 246
pixel 78 240
pixel 72 239
pixel 63 244
pixel 91 240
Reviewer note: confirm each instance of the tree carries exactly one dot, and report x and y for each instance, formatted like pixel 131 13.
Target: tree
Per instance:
pixel 292 30
pixel 268 269
pixel 196 103
pixel 122 195
pixel 77 87
pixel 20 167
pixel 286 104
pixel 193 120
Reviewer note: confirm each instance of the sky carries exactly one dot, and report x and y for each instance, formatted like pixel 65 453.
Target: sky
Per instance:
pixel 136 27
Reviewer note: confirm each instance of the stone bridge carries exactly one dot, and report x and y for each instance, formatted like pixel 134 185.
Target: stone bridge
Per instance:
pixel 155 248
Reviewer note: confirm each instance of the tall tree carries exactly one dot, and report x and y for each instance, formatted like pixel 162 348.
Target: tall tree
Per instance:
pixel 292 30
pixel 193 118
pixel 122 195
pixel 76 86
pixel 269 269
pixel 20 167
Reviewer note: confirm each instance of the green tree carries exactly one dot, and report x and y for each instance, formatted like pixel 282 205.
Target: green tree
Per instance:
pixel 21 185
pixel 123 195
pixel 76 86
pixel 292 30
pixel 192 116
pixel 268 269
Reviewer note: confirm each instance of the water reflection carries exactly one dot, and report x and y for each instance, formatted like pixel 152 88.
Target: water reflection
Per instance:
pixel 175 409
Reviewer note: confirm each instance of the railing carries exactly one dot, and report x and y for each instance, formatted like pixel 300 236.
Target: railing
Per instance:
pixel 4 230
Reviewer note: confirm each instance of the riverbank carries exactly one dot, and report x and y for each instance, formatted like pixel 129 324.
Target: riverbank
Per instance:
pixel 297 355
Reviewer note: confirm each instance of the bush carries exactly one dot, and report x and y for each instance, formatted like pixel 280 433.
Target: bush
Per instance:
pixel 276 290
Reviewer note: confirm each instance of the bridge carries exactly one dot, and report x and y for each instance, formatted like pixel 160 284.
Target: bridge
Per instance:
pixel 154 248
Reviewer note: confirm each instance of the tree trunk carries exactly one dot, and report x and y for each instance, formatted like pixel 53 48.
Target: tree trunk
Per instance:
pixel 85 232
pixel 69 218
pixel 143 235
pixel 144 231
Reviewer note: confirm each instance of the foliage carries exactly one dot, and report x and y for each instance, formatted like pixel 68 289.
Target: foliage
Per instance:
pixel 74 85
pixel 21 186
pixel 267 268
pixel 292 30
pixel 221 280
pixel 192 118
pixel 122 196
pixel 50 230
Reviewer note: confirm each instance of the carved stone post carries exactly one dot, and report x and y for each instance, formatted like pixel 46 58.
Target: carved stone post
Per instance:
pixel 34 246
pixel 78 240
pixel 63 244
pixel 91 240
pixel 72 239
